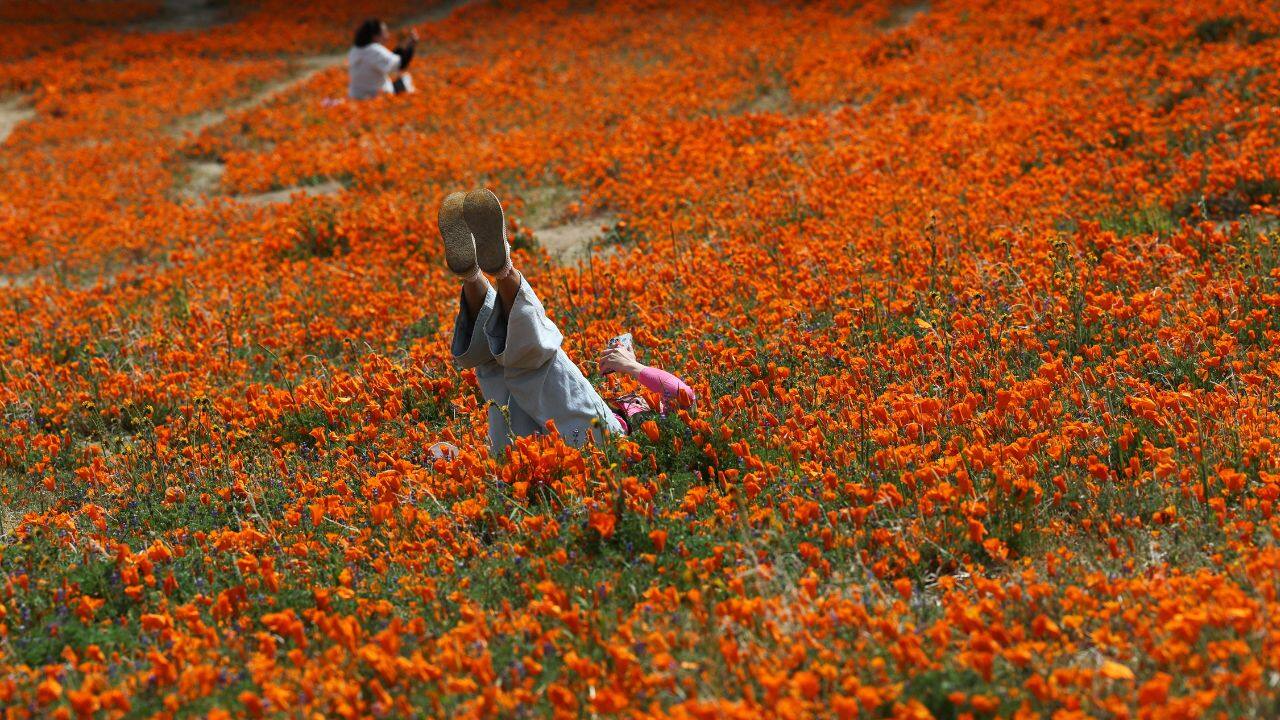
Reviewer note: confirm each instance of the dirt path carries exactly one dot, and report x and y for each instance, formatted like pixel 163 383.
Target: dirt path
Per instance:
pixel 572 241
pixel 182 15
pixel 903 15
pixel 10 518
pixel 13 112
pixel 549 211
pixel 175 15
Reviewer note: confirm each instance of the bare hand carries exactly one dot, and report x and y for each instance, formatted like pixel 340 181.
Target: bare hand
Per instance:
pixel 619 359
pixel 413 34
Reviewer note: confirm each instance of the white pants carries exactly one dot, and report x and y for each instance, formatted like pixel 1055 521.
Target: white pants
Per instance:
pixel 524 375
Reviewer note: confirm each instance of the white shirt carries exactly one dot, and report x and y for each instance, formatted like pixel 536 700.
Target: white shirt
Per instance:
pixel 367 68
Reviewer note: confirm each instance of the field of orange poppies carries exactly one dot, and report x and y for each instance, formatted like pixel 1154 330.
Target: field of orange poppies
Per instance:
pixel 979 299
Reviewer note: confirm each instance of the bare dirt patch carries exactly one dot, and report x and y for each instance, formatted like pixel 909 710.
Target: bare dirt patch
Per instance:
pixel 9 520
pixel 774 99
pixel 204 178
pixel 548 211
pixel 186 15
pixel 1249 224
pixel 13 112
pixel 573 241
pixel 903 15
pixel 15 281
pixel 546 205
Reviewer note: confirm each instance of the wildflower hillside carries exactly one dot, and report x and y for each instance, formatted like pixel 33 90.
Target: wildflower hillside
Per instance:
pixel 979 300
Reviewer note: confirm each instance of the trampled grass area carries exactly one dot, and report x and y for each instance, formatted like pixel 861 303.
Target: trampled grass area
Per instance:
pixel 978 300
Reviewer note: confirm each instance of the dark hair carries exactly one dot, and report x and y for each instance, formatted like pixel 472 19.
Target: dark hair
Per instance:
pixel 368 30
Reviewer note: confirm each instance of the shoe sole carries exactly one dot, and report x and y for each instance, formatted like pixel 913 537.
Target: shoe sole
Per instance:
pixel 484 216
pixel 459 248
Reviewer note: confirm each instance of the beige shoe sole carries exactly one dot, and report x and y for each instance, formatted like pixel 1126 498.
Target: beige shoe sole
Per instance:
pixel 459 248
pixel 483 213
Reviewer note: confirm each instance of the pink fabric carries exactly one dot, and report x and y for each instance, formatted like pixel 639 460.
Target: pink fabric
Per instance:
pixel 628 407
pixel 668 386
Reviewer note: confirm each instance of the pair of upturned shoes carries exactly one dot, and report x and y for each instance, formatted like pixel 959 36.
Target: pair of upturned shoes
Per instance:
pixel 474 231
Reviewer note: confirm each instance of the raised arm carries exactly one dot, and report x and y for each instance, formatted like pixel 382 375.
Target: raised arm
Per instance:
pixel 404 50
pixel 667 385
pixel 405 53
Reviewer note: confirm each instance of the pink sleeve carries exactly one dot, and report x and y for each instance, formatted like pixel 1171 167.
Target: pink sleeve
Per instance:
pixel 665 384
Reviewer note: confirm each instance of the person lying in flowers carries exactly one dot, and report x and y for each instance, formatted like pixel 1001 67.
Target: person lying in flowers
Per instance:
pixel 374 70
pixel 503 333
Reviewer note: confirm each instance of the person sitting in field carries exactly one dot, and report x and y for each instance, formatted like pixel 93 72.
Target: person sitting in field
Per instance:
pixel 503 332
pixel 373 69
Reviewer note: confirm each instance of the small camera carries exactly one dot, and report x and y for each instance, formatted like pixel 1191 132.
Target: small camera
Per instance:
pixel 623 340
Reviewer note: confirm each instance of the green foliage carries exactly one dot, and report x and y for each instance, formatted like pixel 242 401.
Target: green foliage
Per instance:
pixel 1218 29
pixel 525 240
pixel 620 234
pixel 318 234
pixel 934 688
pixel 296 426
pixel 1151 220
